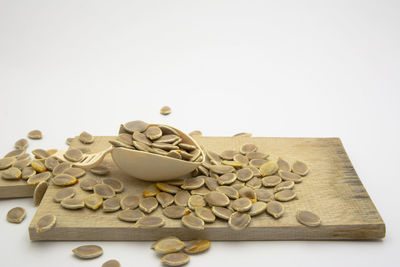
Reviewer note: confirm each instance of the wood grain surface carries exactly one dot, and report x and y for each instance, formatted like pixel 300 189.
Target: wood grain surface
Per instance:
pixel 332 190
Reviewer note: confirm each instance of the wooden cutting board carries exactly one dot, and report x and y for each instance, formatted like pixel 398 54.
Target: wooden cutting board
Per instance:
pixel 332 189
pixel 15 189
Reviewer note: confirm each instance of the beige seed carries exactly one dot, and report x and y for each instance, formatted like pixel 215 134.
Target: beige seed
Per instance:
pixel 45 223
pixel 227 178
pixel 285 195
pixel 247 148
pixel 7 162
pixel 211 183
pixel 51 163
pixel 35 134
pixel 21 164
pixel 283 165
pixel 141 138
pixel 61 168
pixel 117 143
pixel 284 185
pixel 150 191
pixel 111 204
pixel 64 180
pixel 181 198
pixel 175 212
pixel 256 171
pixel 100 170
pixel 202 191
pixel 21 144
pixel 254 183
pixel 148 204
pixel 203 170
pixel 125 138
pixel 257 208
pixel 137 125
pixel 165 199
pixel 38 166
pixel 168 244
pixel 237 185
pixel 290 176
pixel 174 154
pixel 88 183
pixel 153 133
pixel 37 178
pixel 72 203
pixel 269 168
pixel 213 157
pixel 165 110
pixel 169 138
pixel 196 201
pixel 257 163
pixel 111 263
pixel 150 222
pixel 222 169
pixel 221 212
pixel 85 150
pixel 16 215
pixel 130 202
pixel 93 201
pixel 264 195
pixel 196 246
pixel 228 154
pixel 217 199
pixel 193 183
pixel 229 191
pixel 256 155
pixel 167 130
pixel 104 190
pixel 205 214
pixel 116 184
pixel 271 181
pixel 86 138
pixel 160 151
pixel 40 153
pixel 23 156
pixel 300 168
pixel 242 204
pixel 187 147
pixel 165 146
pixel 193 222
pixel 239 221
pixel 248 192
pixel 129 215
pixel 73 155
pixel 28 172
pixel 241 159
pixel 64 193
pixel 39 192
pixel 232 163
pixel 308 218
pixel 11 174
pixel 15 153
pixel 172 189
pixel 275 209
pixel 175 259
pixel 88 251
pixel 75 171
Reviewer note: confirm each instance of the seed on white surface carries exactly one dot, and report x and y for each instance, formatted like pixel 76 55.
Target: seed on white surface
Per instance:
pixel 88 251
pixel 16 215
pixel 21 144
pixel 35 134
pixel 165 110
pixel 175 259
pixel 168 244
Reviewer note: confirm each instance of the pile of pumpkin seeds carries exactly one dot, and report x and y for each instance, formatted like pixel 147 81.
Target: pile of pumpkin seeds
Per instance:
pixel 159 139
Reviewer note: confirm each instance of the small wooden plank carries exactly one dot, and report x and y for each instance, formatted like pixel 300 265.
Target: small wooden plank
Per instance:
pixel 332 189
pixel 15 189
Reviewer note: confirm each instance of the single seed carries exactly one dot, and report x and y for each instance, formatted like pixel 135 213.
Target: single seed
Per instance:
pixel 15 153
pixel 35 134
pixel 111 204
pixel 196 201
pixel 175 259
pixel 148 204
pixel 75 171
pixel 130 202
pixel 248 192
pixel 242 204
pixel 86 138
pixel 237 185
pixel 172 189
pixel 38 166
pixel 116 184
pixel 239 221
pixel 165 110
pixel 175 212
pixel 193 183
pixel 247 148
pixel 205 214
pixel 256 155
pixel 271 181
pixel 28 172
pixel 111 263
pixel 160 151
pixel 64 193
pixel 283 165
pixel 125 138
pixel 153 132
pixel 241 159
pixel 40 153
pixel 244 174
pixel 275 209
pixel 21 144
pixel 300 168
pixel 264 195
pixel 167 130
pixel 213 157
pixel 37 178
pixel 168 244
pixel 16 215
pixel 193 222
pixel 202 191
pixel 73 155
pixel 229 191
pixel 211 183
pixel 196 133
pixel 117 143
pixel 165 199
pixel 61 168
pixel 104 190
pixel 257 208
pixel 64 180
pixel 232 163
pixel 39 192
pixel 138 125
pixel 7 162
pixel 217 199
pixel 149 222
pixel 256 171
pixel 88 251
pixel 93 201
pixel 228 154
pixel 284 185
pixel 227 178
pixel 23 156
pixel 165 146
pixel 222 169
pixel 100 170
pixel 308 218
pixel 129 215
pixel 186 147
pixel 285 195
pixel 72 203
pixel 254 183
pixel 51 163
pixel 269 168
pixel 221 212
pixel 45 223
pixel 11 174
pixel 290 176
pixel 169 138
pixel 181 198
pixel 88 183
pixel 141 138
pixel 257 163
pixel 150 191
pixel 203 170
pixel 196 246
pixel 174 154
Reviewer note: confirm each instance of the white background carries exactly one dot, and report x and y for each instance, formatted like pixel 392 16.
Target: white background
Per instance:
pixel 272 68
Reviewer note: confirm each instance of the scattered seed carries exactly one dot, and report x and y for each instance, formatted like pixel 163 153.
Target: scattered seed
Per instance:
pixel 38 166
pixel 256 155
pixel 16 215
pixel 196 201
pixel 217 199
pixel 254 183
pixel 244 174
pixel 174 154
pixel 35 134
pixel 141 138
pixel 172 189
pixel 15 153
pixel 241 159
pixel 256 171
pixel 269 168
pixel 88 183
pixel 117 143
pixel 116 184
pixel 11 174
pixel 148 204
pixel 111 204
pixel 129 215
pixel 165 199
pixel 257 163
pixel 205 214
pixel 283 165
pixel 221 212
pixel 175 212
pixel 73 154
pixel 111 263
pixel 167 130
pixel 88 251
pixel 203 170
pixel 271 181
pixel 285 195
pixel 222 169
pixel 186 147
pixel 213 157
pixel 86 138
pixel 196 246
pixel 168 245
pixel 7 162
pixel 93 201
pixel 193 183
pixel 193 222
pixel 181 198
pixel 75 171
pixel 308 218
pixel 290 176
pixel 104 190
pixel 40 153
pixel 130 202
pixel 169 138
pixel 50 163
pixel 229 191
pixel 45 223
pixel 237 185
pixel 232 163
pixel 64 193
pixel 153 133
pixel 100 170
pixel 64 180
pixel 39 192
pixel 284 185
pixel 72 203
pixel 61 168
pixel 165 110
pixel 149 222
pixel 125 138
pixel 257 208
pixel 211 183
pixel 227 178
pixel 175 259
pixel 228 154
pixel 28 172
pixel 23 156
pixel 239 221
pixel 300 168
pixel 264 195
pixel 247 148
pixel 21 144
pixel 37 178
pixel 248 193
pixel 150 191
pixel 275 209
pixel 138 125
pixel 242 204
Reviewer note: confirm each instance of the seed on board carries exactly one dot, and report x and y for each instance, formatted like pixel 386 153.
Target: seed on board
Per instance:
pixel 168 244
pixel 93 201
pixel 15 153
pixel 248 193
pixel 88 183
pixel 64 193
pixel 104 190
pixel 88 251
pixel 141 138
pixel 149 222
pixel 284 185
pixel 300 168
pixel 193 222
pixel 7 162
pixel 257 163
pixel 181 198
pixel 196 246
pixel 241 159
pixel 193 183
pixel 275 209
pixel 137 125
pixel 86 138
pixel 153 132
pixel 175 259
pixel 11 174
pixel 37 178
pixel 239 221
pixel 148 204
pixel 283 165
pixel 100 170
pixel 165 199
pixel 196 201
pixel 40 153
pixel 228 154
pixel 227 178
pixel 45 223
pixel 38 194
pixel 242 204
pixel 213 157
pixel 116 184
pixel 269 168
pixel 35 134
pixel 175 212
pixel 21 144
pixel 256 171
pixel 28 172
pixel 229 191
pixel 111 263
pixel 51 163
pixel 150 191
pixel 172 189
pixel 72 203
pixel 256 155
pixel 75 171
pixel 211 183
pixel 205 214
pixel 257 208
pixel 247 148
pixel 111 204
pixel 23 163
pixel 263 195
pixel 38 166
pixel 271 181
pixel 221 169
pixel 217 199
pixel 61 168
pixel 290 176
pixel 237 185
pixel 129 215
pixel 130 202
pixel 165 110
pixel 254 183
pixel 221 212
pixel 64 180
pixel 16 215
pixel 285 195
pixel 308 218
pixel 73 154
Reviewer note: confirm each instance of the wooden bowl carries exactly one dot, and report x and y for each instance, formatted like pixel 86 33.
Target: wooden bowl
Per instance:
pixel 154 167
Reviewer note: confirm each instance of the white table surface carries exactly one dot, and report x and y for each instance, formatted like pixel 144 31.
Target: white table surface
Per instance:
pixel 272 68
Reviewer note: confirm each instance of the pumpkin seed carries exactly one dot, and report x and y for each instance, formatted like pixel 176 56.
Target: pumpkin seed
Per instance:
pixel 165 146
pixel 64 180
pixel 35 134
pixel 213 157
pixel 149 222
pixel 111 263
pixel 211 183
pixel 37 178
pixel 61 168
pixel 168 244
pixel 227 178
pixel 148 204
pixel 39 192
pixel 74 171
pixel 23 156
pixel 175 259
pixel 64 193
pixel 125 138
pixel 16 215
pixel 165 199
pixel 11 174
pixel 169 138
pixel 111 204
pixel 283 165
pixel 141 138
pixel 244 174
pixel 242 204
pixel 196 132
pixel 93 201
pixel 50 163
pixel 130 215
pixel 116 184
pixel 237 185
pixel 86 138
pixel 153 132
pixel 205 214
pixel 100 170
pixel 247 148
pixel 69 140
pixel 172 189
pixel 254 183
pixel 7 162
pixel 239 221
pixel 284 185
pixel 187 147
pixel 193 222
pixel 21 144
pixel 248 192
pixel 20 164
pixel 229 191
pixel 256 155
pixel 84 150
pixel 72 203
pixel 285 195
pixel 222 169
pixel 38 166
pixel 203 170
pixel 15 153
pixel 300 168
pixel 263 195
pixel 150 191
pixel 290 176
pixel 196 201
pixel 73 155
pixel 275 209
pixel 104 190
pixel 196 246
pixel 217 199
pixel 221 212
pixel 117 143
pixel 88 183
pixel 137 125
pixel 27 173
pixel 175 212
pixel 232 163
pixel 241 159
pixel 193 183
pixel 88 251
pixel 130 202
pixel 165 110
pixel 257 163
pixel 269 168
pixel 256 171
pixel 174 154
pixel 257 208
pixel 228 154
pixel 181 198
pixel 168 130
pixel 308 218
pixel 45 223
pixel 202 191
pixel 271 181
